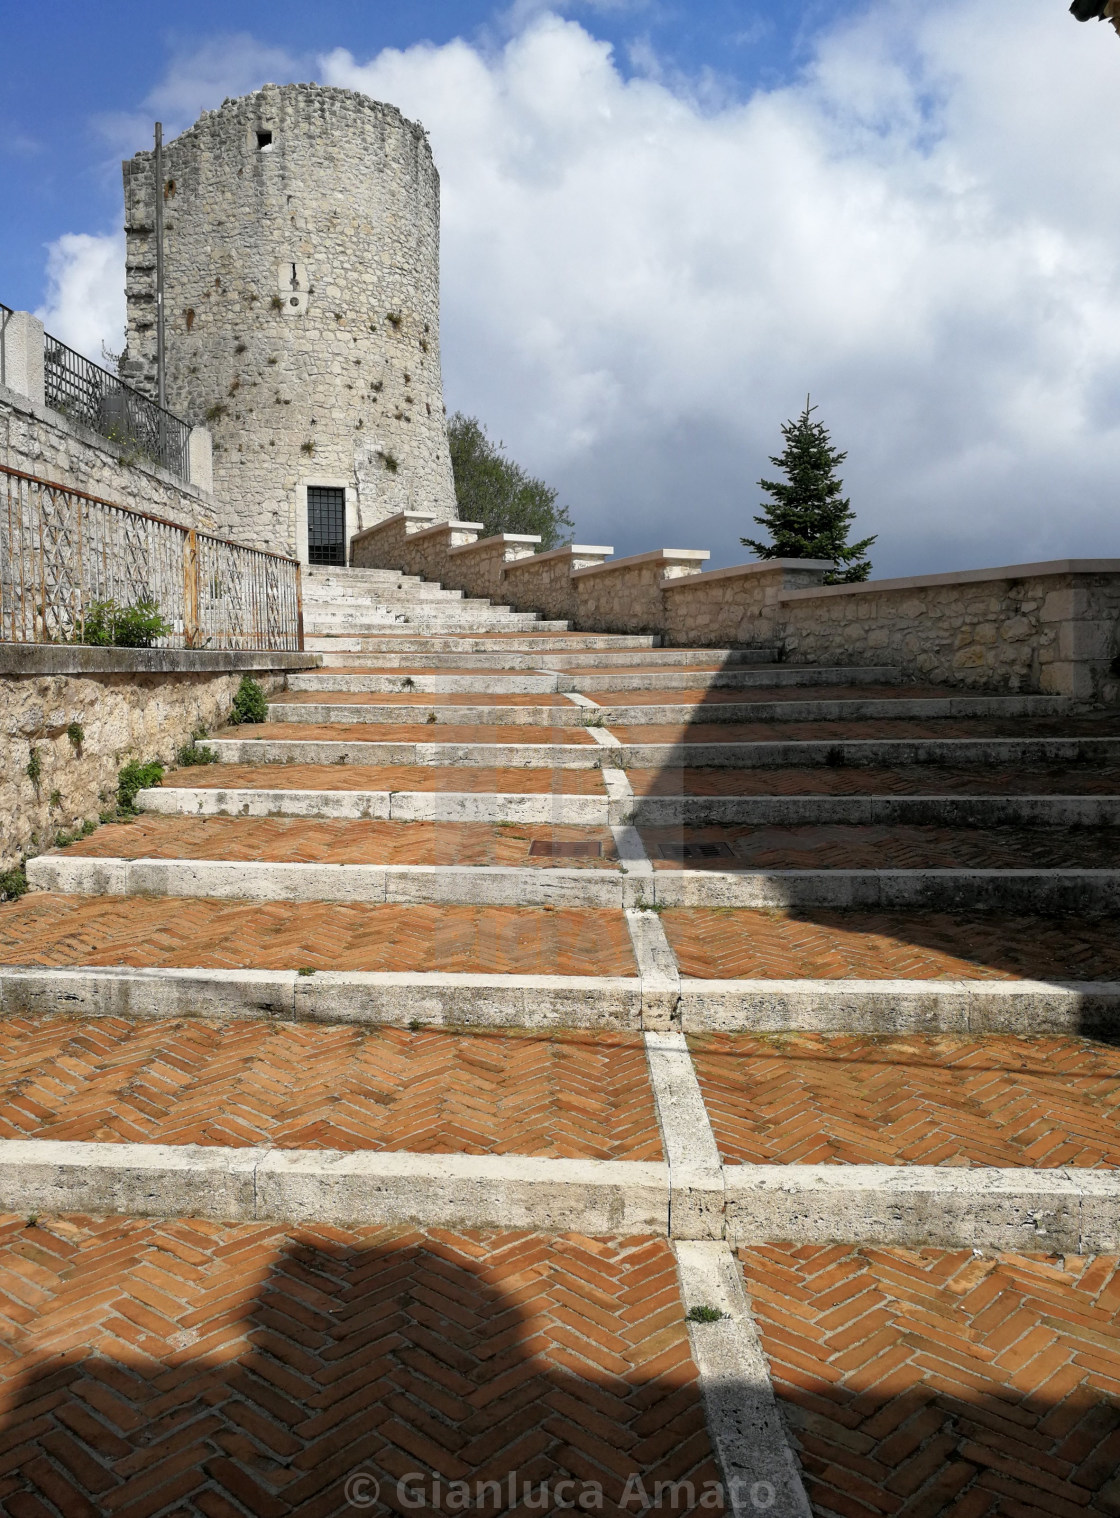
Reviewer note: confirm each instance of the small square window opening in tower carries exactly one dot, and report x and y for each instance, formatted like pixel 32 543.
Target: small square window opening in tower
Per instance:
pixel 264 141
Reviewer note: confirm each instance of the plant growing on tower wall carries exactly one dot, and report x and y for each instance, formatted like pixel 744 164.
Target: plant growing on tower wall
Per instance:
pixel 807 517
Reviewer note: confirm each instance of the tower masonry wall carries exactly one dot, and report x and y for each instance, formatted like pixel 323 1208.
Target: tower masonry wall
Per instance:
pixel 301 299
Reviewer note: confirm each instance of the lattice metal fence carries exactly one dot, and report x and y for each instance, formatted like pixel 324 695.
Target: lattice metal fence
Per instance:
pixel 61 551
pixel 85 392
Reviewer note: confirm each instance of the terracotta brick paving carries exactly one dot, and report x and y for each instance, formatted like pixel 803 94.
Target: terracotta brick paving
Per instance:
pixel 895 727
pixel 723 696
pixel 732 943
pixel 47 928
pixel 200 1368
pixel 418 698
pixel 311 1087
pixel 395 777
pixel 908 780
pixel 888 847
pixel 818 1099
pixel 407 732
pixel 341 841
pixel 922 1384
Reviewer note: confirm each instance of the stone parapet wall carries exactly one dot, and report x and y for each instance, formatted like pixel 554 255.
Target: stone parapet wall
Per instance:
pixel 625 596
pixel 122 715
pixel 48 445
pixel 427 549
pixel 478 569
pixel 544 582
pixel 1053 628
pixel 726 607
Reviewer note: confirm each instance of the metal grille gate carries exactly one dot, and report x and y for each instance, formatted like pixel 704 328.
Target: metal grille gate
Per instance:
pixel 326 525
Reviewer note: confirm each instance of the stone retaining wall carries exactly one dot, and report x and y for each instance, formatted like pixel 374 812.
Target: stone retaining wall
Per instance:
pixel 129 703
pixel 48 445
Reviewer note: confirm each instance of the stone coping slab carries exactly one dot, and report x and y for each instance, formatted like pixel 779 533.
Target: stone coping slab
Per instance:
pixel 962 577
pixel 72 659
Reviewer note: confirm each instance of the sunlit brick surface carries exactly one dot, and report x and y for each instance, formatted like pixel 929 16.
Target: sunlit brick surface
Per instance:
pixel 187 1367
pixel 417 698
pixel 310 840
pixel 813 1099
pixel 408 732
pixel 935 1383
pixel 314 1087
pixel 396 777
pixel 734 943
pixel 200 932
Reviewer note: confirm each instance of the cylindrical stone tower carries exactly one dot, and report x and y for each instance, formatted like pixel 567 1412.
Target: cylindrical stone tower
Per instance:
pixel 301 300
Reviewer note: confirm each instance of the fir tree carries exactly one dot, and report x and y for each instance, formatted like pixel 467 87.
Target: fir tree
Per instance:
pixel 807 517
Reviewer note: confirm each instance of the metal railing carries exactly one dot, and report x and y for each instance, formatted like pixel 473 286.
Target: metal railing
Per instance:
pixel 62 551
pixel 85 392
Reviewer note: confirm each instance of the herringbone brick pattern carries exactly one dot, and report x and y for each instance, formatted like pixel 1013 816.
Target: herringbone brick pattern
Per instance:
pixel 50 928
pixel 895 727
pixel 307 1086
pixel 890 847
pixel 328 840
pixel 734 943
pixel 936 1383
pixel 195 1368
pixel 913 780
pixel 396 777
pixel 816 1099
pixel 410 732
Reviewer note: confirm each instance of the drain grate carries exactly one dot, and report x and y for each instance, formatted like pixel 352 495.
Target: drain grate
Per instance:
pixel 683 851
pixel 541 847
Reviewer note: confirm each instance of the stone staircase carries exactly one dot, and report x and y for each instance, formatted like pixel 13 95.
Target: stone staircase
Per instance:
pixel 400 1079
pixel 344 608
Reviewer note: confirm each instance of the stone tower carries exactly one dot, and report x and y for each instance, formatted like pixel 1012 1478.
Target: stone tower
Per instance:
pixel 301 299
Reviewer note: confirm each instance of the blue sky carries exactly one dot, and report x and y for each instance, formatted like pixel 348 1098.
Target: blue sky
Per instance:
pixel 663 224
pixel 96 63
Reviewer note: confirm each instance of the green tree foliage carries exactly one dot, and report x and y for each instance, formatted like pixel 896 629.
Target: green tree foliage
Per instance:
pixel 807 517
pixel 495 491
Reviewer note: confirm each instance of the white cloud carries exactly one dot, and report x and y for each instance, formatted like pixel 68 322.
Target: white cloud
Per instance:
pixel 638 289
pixel 85 292
pixel 642 279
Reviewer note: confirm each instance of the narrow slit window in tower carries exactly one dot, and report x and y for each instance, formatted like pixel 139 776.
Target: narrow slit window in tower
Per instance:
pixel 326 525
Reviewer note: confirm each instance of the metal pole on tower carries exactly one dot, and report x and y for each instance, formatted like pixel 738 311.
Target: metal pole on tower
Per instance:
pixel 161 382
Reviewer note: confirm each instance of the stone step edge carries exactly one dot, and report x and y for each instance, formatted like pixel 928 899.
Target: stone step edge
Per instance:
pixel 779 753
pixel 572 809
pixel 437 999
pixel 1024 1210
pixel 626 886
pixel 821 709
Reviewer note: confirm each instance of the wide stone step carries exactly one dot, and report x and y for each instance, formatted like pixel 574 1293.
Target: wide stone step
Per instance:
pixel 522 659
pixel 451 804
pixel 781 707
pixel 419 678
pixel 408 644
